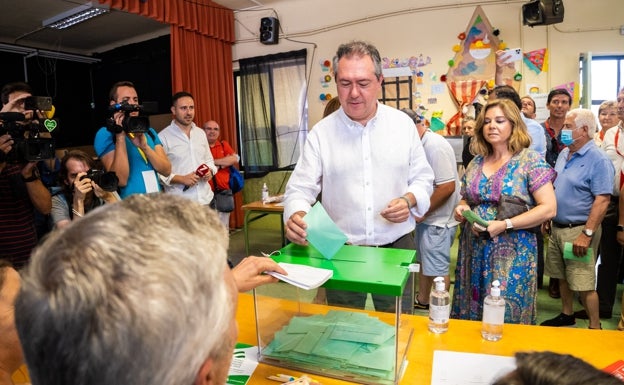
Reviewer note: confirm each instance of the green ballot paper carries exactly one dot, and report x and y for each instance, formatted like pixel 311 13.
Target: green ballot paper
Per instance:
pixel 569 254
pixel 472 218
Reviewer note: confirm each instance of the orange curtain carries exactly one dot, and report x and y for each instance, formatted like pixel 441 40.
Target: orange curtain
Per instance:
pixel 202 35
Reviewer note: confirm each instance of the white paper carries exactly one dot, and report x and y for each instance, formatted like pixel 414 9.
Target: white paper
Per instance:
pixel 305 277
pixel 457 368
pixel 244 362
pixel 151 183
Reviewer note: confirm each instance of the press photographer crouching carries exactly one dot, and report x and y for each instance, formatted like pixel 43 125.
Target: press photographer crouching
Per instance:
pixel 84 188
pixel 21 189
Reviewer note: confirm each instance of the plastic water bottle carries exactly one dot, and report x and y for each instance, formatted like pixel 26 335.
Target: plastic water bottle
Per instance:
pixel 493 314
pixel 265 193
pixel 439 307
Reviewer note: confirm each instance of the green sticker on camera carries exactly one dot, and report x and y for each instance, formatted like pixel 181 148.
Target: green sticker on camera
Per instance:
pixel 50 124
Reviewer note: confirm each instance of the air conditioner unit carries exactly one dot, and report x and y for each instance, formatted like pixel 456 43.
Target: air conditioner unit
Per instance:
pixel 542 12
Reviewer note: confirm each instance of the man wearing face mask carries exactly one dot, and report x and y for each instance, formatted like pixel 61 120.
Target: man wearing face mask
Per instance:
pixel 583 189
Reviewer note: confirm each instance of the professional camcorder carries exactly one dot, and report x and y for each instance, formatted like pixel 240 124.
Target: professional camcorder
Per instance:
pixel 107 181
pixel 130 124
pixel 28 145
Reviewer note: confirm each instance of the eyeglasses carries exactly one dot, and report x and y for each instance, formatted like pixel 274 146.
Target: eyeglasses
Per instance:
pixel 211 128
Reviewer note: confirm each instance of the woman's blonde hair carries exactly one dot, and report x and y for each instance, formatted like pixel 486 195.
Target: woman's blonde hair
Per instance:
pixel 519 138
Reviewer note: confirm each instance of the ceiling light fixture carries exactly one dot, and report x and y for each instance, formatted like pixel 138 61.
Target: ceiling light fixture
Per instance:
pixel 75 15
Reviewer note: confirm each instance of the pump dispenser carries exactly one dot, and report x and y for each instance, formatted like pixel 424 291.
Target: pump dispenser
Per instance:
pixel 439 307
pixel 493 314
pixel 265 193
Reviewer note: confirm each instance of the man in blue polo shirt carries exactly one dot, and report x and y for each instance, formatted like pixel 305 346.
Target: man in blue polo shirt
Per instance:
pixel 583 189
pixel 134 157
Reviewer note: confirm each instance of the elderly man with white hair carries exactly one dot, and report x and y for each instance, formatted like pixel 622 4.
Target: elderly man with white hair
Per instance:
pixel 583 189
pixel 128 295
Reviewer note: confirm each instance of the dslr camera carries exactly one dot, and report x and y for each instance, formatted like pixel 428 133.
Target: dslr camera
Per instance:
pixel 28 145
pixel 107 181
pixel 130 124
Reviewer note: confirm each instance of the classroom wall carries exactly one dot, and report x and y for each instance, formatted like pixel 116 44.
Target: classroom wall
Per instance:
pixel 405 28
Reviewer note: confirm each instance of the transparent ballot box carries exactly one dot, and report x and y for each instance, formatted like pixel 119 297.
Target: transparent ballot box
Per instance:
pixel 357 334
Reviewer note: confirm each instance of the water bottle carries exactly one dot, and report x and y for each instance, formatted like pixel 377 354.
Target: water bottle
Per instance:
pixel 265 193
pixel 439 307
pixel 493 314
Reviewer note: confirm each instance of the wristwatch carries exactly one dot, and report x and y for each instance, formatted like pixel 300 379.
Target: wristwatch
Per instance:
pixel 620 227
pixel 588 232
pixel 509 224
pixel 33 177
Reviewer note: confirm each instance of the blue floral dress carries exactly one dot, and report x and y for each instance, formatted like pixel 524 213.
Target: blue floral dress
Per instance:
pixel 509 257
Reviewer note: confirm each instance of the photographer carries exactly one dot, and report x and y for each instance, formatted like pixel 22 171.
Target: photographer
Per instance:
pixel 21 189
pixel 80 193
pixel 134 156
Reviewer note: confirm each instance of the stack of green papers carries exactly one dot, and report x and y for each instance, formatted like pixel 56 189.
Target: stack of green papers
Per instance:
pixel 338 341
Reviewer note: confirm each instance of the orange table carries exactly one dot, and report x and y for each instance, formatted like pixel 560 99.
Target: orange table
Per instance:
pixel 260 210
pixel 598 347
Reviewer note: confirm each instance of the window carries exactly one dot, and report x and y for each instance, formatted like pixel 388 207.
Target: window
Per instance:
pixel 272 110
pixel 603 80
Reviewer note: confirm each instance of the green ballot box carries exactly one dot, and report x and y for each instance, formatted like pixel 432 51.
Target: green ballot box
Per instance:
pixel 298 330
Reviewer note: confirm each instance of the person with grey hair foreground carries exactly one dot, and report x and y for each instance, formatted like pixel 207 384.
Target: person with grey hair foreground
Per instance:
pixel 548 368
pixel 137 292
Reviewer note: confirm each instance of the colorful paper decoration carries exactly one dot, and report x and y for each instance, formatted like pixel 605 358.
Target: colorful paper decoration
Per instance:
pixel 537 60
pixel 473 66
pixel 327 78
pixel 570 87
pixel 413 62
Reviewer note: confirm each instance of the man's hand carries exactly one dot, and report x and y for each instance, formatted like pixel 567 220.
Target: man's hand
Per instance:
pixel 139 140
pixel 81 187
pixel 190 180
pixel 249 273
pixel 580 245
pixel 296 228
pixel 6 143
pixel 397 211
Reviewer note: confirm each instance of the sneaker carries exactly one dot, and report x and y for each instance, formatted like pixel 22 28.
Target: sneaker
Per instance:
pixel 420 306
pixel 560 320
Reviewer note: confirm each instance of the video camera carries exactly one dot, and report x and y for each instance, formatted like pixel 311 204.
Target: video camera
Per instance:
pixel 130 124
pixel 28 146
pixel 107 181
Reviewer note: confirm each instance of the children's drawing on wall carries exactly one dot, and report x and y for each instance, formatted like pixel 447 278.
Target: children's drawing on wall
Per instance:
pixel 473 66
pixel 414 63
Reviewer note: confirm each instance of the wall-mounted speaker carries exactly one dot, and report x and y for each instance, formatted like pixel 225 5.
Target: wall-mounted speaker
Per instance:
pixel 269 30
pixel 542 12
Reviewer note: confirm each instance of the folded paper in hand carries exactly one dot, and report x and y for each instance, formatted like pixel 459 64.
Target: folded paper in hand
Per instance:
pixel 303 276
pixel 474 218
pixel 323 233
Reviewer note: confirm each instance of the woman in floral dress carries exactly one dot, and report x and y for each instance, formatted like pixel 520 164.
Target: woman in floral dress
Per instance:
pixel 507 249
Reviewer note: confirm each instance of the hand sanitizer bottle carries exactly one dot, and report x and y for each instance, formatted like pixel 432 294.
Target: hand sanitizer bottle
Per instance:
pixel 439 307
pixel 493 314
pixel 265 193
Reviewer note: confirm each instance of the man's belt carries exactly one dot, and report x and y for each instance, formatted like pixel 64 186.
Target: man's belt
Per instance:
pixel 567 225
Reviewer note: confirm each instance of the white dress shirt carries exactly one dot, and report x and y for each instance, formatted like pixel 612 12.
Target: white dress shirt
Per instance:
pixel 186 154
pixel 359 170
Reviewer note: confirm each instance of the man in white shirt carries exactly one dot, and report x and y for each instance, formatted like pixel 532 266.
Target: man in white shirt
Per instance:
pixel 435 231
pixel 367 160
pixel 187 148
